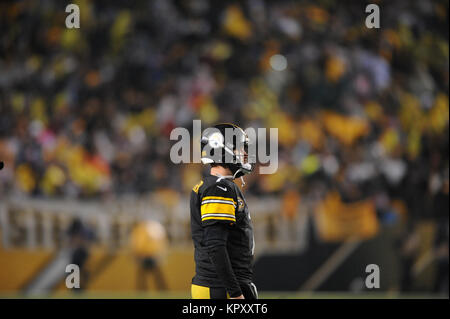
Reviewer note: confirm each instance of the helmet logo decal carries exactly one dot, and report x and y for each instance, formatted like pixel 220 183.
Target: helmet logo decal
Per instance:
pixel 215 140
pixel 227 144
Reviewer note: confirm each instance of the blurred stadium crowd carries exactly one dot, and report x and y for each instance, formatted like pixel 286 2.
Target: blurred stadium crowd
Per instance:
pixel 88 112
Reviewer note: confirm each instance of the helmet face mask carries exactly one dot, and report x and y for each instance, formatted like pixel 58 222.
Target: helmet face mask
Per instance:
pixel 227 145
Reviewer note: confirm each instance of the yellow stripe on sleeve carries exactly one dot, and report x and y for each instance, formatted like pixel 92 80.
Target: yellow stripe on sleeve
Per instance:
pixel 218 208
pixel 220 218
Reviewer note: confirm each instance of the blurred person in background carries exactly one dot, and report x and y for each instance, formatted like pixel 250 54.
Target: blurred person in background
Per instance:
pixel 149 245
pixel 80 238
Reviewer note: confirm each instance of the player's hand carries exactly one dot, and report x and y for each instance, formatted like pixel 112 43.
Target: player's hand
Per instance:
pixel 238 297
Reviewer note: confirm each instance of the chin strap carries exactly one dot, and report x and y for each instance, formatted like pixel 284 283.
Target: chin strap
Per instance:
pixel 232 177
pixel 224 177
pixel 242 177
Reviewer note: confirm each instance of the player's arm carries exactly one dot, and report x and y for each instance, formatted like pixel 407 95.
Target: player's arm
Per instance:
pixel 216 239
pixel 218 208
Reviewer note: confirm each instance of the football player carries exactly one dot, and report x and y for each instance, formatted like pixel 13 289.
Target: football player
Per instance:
pixel 221 226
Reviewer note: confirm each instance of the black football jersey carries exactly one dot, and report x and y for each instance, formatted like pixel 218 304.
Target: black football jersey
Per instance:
pixel 219 200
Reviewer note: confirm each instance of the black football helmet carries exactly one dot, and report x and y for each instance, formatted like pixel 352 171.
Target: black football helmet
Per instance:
pixel 228 145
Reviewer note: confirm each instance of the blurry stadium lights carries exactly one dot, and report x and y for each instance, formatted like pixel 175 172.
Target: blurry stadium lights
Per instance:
pixel 278 62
